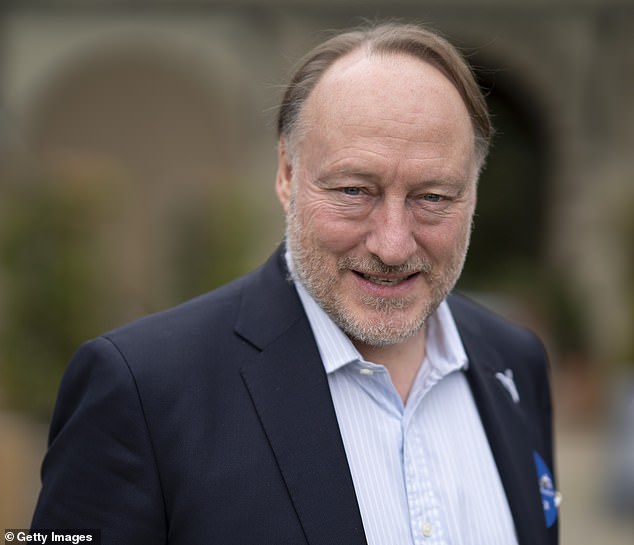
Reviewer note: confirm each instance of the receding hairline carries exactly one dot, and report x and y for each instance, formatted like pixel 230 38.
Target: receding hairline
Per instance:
pixel 387 39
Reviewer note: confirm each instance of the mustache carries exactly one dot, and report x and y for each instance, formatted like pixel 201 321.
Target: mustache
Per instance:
pixel 372 265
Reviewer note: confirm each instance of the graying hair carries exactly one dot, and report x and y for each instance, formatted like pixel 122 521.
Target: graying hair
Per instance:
pixel 390 38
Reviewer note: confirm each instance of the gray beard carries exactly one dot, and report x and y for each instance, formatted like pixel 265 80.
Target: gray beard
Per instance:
pixel 387 330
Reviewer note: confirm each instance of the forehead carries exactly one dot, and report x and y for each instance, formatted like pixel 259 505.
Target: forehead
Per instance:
pixel 395 86
pixel 392 109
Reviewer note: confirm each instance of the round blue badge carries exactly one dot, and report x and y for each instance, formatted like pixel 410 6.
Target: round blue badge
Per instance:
pixel 550 497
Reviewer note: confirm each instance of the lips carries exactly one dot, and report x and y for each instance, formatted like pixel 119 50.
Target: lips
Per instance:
pixel 385 280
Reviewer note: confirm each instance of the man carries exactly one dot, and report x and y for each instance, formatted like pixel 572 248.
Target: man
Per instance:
pixel 339 394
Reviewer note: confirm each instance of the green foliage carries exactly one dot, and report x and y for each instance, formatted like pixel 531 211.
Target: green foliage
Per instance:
pixel 50 265
pixel 210 240
pixel 79 254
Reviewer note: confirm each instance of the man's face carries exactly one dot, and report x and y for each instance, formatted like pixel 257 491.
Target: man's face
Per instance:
pixel 379 194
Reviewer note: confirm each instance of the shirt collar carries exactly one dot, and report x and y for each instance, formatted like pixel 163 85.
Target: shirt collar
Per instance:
pixel 444 349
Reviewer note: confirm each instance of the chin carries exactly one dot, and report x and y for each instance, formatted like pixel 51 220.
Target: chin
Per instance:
pixel 379 335
pixel 380 328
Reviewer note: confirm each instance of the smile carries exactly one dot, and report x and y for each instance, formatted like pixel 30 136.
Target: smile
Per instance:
pixel 385 281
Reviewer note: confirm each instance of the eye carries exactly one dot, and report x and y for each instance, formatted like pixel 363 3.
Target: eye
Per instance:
pixel 352 191
pixel 432 197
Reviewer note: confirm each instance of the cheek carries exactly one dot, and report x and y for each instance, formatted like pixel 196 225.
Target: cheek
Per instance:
pixel 444 239
pixel 328 230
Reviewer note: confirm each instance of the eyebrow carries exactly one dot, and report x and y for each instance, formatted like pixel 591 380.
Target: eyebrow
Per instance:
pixel 347 173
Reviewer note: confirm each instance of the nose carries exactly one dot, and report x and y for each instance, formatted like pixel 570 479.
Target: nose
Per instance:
pixel 391 237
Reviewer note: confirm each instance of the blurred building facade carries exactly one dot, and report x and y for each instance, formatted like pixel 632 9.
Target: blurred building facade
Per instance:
pixel 173 97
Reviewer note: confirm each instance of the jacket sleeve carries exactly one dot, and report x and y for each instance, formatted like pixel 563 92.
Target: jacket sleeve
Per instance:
pixel 100 471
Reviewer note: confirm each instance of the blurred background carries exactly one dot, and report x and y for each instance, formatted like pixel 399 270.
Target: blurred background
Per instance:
pixel 137 161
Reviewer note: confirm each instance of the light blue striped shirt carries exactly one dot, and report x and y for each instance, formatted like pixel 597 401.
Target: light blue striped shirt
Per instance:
pixel 423 472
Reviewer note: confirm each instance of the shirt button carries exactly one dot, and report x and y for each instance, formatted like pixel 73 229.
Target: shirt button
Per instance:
pixel 367 372
pixel 427 529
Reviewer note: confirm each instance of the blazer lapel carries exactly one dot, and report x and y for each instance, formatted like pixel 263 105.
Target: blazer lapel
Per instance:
pixel 289 389
pixel 502 423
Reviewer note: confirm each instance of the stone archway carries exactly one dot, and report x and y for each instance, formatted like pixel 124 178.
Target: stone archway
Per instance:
pixel 508 245
pixel 137 108
pixel 165 129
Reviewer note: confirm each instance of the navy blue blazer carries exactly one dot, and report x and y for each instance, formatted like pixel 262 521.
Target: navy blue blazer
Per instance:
pixel 212 423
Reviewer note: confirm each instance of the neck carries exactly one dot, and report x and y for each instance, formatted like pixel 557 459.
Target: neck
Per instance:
pixel 402 360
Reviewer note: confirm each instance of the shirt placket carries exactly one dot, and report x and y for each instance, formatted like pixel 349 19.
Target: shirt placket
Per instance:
pixel 424 508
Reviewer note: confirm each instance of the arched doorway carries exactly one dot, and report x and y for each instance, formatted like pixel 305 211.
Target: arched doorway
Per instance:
pixel 508 242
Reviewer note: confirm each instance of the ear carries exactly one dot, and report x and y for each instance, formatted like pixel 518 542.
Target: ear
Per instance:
pixel 284 177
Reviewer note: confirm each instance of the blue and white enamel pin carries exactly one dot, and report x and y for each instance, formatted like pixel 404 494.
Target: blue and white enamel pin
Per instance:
pixel 551 499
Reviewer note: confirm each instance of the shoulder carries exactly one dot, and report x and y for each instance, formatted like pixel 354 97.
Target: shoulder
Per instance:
pixel 163 346
pixel 215 331
pixel 204 313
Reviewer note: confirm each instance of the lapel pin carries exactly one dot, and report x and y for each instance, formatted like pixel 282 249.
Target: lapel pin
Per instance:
pixel 506 379
pixel 551 498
